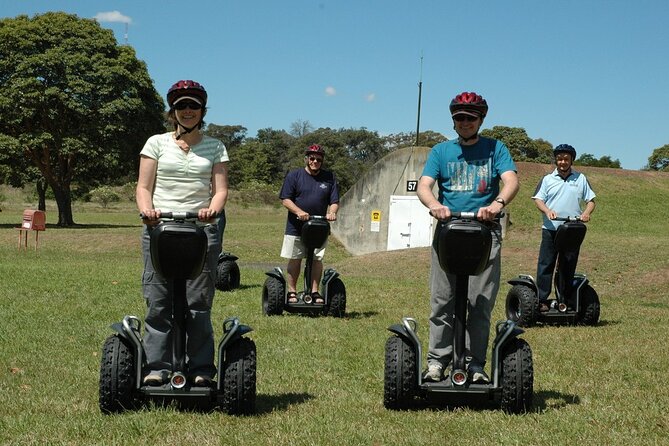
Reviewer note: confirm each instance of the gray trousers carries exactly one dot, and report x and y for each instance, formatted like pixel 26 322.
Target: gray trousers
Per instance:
pixel 158 293
pixel 482 294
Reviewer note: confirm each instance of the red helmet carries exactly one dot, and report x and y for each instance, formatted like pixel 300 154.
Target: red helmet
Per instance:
pixel 188 88
pixel 469 103
pixel 314 148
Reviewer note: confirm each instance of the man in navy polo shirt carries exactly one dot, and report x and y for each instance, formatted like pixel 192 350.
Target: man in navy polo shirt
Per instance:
pixel 559 194
pixel 307 191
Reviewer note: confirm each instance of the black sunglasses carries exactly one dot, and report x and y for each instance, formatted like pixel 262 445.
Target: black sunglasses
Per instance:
pixel 316 158
pixel 467 118
pixel 187 104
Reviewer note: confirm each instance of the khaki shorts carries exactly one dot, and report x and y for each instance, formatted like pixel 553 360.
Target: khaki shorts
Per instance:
pixel 293 248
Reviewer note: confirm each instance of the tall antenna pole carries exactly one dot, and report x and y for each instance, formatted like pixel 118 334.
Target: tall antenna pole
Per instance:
pixel 420 92
pixel 126 33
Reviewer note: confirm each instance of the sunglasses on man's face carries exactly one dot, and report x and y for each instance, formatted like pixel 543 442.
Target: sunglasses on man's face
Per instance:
pixel 467 118
pixel 316 159
pixel 183 105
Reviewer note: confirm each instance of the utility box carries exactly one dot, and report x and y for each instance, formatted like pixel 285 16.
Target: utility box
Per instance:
pixel 32 221
pixel 35 220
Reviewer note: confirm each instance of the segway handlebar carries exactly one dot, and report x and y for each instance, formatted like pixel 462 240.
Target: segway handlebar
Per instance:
pixel 576 218
pixel 468 215
pixel 188 215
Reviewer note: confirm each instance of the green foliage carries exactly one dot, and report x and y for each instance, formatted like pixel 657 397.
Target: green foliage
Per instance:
pixel 73 99
pixel 521 146
pixel 587 159
pixel 104 195
pixel 659 160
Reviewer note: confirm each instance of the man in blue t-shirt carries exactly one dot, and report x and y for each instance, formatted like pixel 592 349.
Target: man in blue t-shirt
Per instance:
pixel 307 191
pixel 559 194
pixel 468 171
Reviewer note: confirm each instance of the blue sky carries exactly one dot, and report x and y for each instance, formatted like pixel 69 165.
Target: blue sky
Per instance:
pixel 591 73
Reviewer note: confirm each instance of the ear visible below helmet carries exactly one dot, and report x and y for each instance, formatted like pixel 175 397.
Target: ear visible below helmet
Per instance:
pixel 186 88
pixel 469 102
pixel 565 148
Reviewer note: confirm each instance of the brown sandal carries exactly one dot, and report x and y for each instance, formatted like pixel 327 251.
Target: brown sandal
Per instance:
pixel 292 297
pixel 317 298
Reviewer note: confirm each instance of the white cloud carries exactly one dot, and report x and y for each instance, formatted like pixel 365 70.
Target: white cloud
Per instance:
pixel 112 17
pixel 330 91
pixel 370 97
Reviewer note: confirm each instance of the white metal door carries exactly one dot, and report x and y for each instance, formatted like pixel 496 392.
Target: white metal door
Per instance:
pixel 409 223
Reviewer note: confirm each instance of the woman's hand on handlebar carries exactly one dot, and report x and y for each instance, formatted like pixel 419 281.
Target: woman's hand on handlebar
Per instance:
pixel 206 214
pixel 150 214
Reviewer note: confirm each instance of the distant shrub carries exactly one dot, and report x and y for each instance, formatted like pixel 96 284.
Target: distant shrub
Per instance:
pixel 104 195
pixel 255 192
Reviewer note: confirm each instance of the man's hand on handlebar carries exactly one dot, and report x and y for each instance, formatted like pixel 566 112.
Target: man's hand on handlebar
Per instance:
pixel 440 212
pixel 488 213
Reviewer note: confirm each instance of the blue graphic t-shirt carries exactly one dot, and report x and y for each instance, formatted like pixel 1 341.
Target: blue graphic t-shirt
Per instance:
pixel 468 176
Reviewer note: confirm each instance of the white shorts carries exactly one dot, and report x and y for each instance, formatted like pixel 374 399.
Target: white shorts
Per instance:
pixel 293 248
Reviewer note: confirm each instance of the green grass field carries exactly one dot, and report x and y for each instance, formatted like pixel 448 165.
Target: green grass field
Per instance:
pixel 320 380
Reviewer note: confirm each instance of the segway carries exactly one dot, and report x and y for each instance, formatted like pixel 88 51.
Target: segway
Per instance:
pixel 315 232
pixel 228 276
pixel 463 248
pixel 581 306
pixel 178 251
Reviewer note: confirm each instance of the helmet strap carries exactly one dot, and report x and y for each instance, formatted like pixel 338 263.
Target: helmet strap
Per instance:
pixel 186 130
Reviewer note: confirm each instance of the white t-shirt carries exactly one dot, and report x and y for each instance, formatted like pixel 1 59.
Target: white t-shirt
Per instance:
pixel 183 180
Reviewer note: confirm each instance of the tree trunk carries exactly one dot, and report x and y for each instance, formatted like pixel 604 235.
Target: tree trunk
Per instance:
pixel 64 202
pixel 41 194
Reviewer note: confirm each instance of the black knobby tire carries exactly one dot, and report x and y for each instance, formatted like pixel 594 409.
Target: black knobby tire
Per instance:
pixel 588 313
pixel 273 295
pixel 517 376
pixel 522 305
pixel 228 276
pixel 238 391
pixel 336 299
pixel 400 380
pixel 117 376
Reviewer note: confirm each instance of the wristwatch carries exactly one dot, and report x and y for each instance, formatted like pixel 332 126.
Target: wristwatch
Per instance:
pixel 501 201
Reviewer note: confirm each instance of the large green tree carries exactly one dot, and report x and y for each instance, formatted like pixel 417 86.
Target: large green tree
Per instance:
pixel 659 160
pixel 75 104
pixel 521 146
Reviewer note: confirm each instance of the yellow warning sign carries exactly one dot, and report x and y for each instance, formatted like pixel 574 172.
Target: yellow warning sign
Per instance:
pixel 376 215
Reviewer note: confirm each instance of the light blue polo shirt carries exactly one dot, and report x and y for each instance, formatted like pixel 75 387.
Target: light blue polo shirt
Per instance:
pixel 564 196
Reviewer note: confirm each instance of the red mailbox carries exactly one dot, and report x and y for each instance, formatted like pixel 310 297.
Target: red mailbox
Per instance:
pixel 32 221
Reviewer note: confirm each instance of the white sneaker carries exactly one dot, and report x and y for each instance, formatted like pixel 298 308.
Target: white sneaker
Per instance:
pixel 202 380
pixel 153 379
pixel 477 375
pixel 435 373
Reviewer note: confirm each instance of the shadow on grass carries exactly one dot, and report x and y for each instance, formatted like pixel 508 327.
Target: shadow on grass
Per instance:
pixel 551 399
pixel 361 315
pixel 77 226
pixel 272 403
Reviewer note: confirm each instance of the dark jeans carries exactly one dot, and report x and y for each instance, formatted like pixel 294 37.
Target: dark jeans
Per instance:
pixel 566 268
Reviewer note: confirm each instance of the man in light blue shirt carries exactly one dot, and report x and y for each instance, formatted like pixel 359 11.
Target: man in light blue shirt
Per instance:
pixel 559 194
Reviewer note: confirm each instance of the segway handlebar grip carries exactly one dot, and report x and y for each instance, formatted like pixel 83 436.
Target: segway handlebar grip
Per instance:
pixel 576 218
